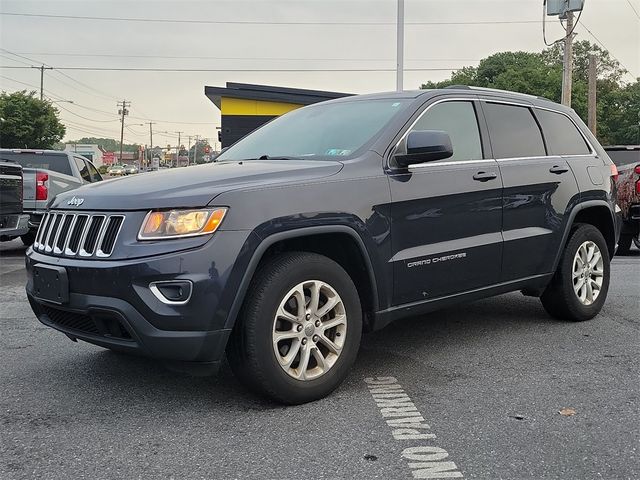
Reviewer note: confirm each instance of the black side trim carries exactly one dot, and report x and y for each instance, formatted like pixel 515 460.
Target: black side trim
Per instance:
pixel 572 217
pixel 385 317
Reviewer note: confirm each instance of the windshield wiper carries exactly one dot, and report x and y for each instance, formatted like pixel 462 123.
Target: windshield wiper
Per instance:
pixel 279 157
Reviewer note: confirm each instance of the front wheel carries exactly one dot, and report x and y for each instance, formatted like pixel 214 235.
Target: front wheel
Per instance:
pixel 299 331
pixel 579 287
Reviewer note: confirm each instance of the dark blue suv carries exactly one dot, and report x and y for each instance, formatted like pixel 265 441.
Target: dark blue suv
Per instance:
pixel 330 220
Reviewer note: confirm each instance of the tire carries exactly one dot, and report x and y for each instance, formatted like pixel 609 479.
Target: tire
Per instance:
pixel 624 244
pixel 258 361
pixel 28 238
pixel 560 299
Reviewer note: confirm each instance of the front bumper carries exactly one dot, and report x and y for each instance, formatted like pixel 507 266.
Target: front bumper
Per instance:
pixel 14 225
pixel 111 304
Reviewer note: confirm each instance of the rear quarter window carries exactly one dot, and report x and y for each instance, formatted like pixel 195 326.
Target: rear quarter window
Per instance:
pixel 563 137
pixel 55 163
pixel 514 131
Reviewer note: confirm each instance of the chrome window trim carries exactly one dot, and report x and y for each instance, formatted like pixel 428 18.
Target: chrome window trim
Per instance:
pixel 516 104
pixel 413 124
pixel 448 164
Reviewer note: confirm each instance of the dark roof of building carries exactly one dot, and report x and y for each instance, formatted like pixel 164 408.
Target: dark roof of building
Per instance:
pixel 270 93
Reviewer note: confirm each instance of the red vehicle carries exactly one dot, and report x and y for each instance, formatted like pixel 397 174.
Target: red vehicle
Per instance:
pixel 627 159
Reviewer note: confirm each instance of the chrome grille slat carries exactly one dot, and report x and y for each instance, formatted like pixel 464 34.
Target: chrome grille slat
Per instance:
pixel 43 226
pixel 75 234
pixel 88 245
pixel 45 229
pixel 55 221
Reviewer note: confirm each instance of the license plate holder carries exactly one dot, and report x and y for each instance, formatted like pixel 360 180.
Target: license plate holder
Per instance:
pixel 51 283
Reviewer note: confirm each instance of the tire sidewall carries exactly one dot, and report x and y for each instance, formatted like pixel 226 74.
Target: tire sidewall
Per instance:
pixel 583 234
pixel 315 268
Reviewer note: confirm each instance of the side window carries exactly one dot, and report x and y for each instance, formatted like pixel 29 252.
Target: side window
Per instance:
pixel 514 131
pixel 563 137
pixel 82 168
pixel 93 171
pixel 459 120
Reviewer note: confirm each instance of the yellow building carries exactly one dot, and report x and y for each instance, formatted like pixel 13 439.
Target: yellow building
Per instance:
pixel 245 107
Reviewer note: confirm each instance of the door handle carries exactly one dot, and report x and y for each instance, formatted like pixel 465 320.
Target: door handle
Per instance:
pixel 558 169
pixel 485 176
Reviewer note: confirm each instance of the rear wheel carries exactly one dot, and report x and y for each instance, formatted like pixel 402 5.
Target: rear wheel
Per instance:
pixel 579 287
pixel 299 331
pixel 624 244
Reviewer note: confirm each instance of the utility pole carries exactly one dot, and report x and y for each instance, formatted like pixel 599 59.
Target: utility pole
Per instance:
pixel 178 148
pixel 189 152
pixel 123 111
pixel 593 95
pixel 151 140
pixel 400 46
pixel 567 69
pixel 42 68
pixel 195 149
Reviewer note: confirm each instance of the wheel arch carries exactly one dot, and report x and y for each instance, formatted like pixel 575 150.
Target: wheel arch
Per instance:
pixel 593 212
pixel 314 239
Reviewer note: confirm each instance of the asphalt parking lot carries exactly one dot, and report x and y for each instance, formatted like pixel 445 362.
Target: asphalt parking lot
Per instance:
pixel 484 384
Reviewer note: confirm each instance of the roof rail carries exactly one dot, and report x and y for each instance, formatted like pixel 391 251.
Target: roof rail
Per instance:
pixel 458 87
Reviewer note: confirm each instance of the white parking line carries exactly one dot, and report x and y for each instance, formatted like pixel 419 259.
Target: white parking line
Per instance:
pixel 408 424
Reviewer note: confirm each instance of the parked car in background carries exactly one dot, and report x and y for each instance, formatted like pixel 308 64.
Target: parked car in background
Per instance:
pixel 117 171
pixel 13 222
pixel 46 173
pixel 332 219
pixel 130 170
pixel 627 160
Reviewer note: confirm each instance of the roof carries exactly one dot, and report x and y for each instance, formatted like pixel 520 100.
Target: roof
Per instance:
pixel 270 93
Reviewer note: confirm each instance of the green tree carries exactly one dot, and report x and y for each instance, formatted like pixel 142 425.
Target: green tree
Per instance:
pixel 540 74
pixel 199 147
pixel 109 144
pixel 28 122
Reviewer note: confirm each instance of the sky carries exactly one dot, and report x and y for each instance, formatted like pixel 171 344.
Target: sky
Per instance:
pixel 243 39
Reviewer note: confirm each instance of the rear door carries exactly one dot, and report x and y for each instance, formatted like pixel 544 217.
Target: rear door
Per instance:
pixel 538 189
pixel 447 215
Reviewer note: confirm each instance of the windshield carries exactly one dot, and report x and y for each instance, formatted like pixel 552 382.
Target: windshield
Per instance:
pixel 43 161
pixel 320 131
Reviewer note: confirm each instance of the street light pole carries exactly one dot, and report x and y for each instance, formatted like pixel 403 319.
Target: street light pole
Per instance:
pixel 400 47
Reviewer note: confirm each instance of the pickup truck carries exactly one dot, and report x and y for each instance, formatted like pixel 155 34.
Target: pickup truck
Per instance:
pixel 47 173
pixel 13 223
pixel 627 160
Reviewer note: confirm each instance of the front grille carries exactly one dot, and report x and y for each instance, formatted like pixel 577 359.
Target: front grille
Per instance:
pixel 102 325
pixel 78 234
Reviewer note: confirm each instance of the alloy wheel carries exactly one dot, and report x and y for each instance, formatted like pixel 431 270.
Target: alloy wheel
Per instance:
pixel 309 330
pixel 588 272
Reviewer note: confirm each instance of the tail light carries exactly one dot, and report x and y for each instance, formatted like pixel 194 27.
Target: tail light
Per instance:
pixel 638 187
pixel 637 169
pixel 42 186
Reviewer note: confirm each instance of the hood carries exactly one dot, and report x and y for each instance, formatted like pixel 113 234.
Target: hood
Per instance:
pixel 191 186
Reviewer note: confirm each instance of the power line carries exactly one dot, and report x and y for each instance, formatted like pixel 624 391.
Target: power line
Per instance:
pixel 634 9
pixel 261 22
pixel 205 57
pixel 241 70
pixel 103 94
pixel 605 47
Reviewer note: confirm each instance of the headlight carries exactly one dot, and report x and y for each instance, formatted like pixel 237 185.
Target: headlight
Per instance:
pixel 181 223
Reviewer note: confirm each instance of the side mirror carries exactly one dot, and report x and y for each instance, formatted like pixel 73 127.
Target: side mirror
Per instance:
pixel 425 146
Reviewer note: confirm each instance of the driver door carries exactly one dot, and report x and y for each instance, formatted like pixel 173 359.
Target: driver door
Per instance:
pixel 447 214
